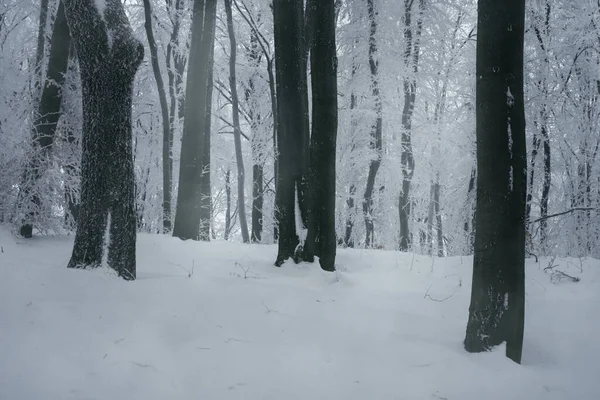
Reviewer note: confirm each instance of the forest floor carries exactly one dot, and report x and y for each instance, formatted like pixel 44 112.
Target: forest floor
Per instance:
pixel 218 321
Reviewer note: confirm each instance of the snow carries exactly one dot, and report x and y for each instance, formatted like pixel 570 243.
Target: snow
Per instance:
pixel 100 6
pixel 219 321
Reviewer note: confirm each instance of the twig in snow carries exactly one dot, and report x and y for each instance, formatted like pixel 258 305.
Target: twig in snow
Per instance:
pixel 427 295
pixel 269 311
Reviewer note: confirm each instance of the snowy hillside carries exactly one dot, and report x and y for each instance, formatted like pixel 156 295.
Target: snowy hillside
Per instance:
pixel 219 321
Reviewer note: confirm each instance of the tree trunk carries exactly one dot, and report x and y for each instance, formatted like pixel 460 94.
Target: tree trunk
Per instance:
pixel 228 204
pixel 411 62
pixel 545 186
pixel 108 65
pixel 438 216
pixel 323 139
pixel 470 211
pixel 237 132
pixel 46 119
pixel 41 43
pixel 162 97
pixel 175 60
pixel 496 312
pixel 376 132
pixel 206 188
pixel 193 176
pixel 257 142
pixel 292 122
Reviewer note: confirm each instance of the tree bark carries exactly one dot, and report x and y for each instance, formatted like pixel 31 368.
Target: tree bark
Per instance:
pixel 292 131
pixel 496 312
pixel 323 60
pixel 237 132
pixel 162 97
pixel 46 119
pixel 109 56
pixel 194 176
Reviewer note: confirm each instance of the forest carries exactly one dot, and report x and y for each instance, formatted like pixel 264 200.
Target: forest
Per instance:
pixel 335 139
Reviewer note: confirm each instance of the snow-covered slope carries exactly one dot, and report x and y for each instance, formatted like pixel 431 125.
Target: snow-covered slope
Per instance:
pixel 219 321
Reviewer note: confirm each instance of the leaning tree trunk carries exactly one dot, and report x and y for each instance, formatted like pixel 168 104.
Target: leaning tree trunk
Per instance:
pixel 292 125
pixel 190 211
pixel 47 116
pixel 109 56
pixel 237 131
pixel 323 61
pixel 496 313
pixel 376 132
pixel 162 97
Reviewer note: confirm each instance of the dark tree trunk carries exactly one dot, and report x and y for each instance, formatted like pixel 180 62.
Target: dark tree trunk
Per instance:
pixel 46 119
pixel 194 172
pixel 257 143
pixel 542 34
pixel 411 62
pixel 108 69
pixel 323 60
pixel 470 211
pixel 545 186
pixel 257 202
pixel 292 122
pixel 237 132
pixel 376 132
pixel 438 217
pixel 162 97
pixel 496 313
pixel 348 238
pixel 227 204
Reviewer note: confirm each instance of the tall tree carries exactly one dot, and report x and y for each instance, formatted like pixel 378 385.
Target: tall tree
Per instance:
pixel 162 97
pixel 377 130
pixel 323 62
pixel 292 123
pixel 109 56
pixel 194 178
pixel 46 118
pixel 237 131
pixel 496 313
pixel 259 42
pixel 412 38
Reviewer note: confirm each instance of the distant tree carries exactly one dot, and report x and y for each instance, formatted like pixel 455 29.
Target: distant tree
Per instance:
pixel 166 125
pixel 237 132
pixel 192 217
pixel 46 116
pixel 496 313
pixel 109 56
pixel 377 129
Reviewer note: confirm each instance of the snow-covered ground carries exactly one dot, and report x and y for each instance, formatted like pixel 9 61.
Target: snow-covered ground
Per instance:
pixel 219 321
